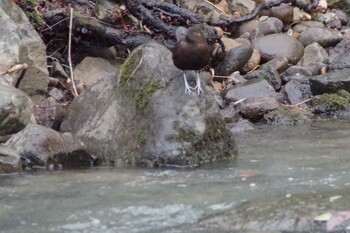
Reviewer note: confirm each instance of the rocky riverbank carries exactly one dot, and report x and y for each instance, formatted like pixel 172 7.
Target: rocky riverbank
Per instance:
pixel 284 67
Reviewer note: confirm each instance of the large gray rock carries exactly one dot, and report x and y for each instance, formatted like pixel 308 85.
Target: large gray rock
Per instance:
pixel 323 36
pixel 251 90
pixel 279 45
pixel 42 146
pixel 15 110
pixel 10 161
pixel 144 117
pixel 20 43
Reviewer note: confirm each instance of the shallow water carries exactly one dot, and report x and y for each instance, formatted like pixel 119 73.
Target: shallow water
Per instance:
pixel 274 164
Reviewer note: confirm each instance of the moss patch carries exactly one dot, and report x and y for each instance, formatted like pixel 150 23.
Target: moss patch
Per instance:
pixel 330 103
pixel 286 116
pixel 215 143
pixel 143 96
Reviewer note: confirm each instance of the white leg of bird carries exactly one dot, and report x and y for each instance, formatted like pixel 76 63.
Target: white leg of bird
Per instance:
pixel 188 88
pixel 198 84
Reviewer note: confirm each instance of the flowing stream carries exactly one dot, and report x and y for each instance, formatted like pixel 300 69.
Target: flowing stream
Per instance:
pixel 281 173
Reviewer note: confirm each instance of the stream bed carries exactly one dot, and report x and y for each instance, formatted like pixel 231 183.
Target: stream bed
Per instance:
pixel 283 178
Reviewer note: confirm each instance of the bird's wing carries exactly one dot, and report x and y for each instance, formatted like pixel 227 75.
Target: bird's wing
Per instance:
pixel 180 33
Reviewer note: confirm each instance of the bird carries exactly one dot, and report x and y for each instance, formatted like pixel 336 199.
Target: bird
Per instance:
pixel 191 52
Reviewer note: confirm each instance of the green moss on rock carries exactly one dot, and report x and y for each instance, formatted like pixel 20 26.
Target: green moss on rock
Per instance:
pixel 331 103
pixel 215 143
pixel 130 66
pixel 143 96
pixel 286 116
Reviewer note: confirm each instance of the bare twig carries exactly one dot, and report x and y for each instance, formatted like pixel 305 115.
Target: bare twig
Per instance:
pixel 302 102
pixel 75 93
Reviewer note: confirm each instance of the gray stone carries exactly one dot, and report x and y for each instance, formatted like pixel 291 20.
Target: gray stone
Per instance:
pixel 269 74
pixel 253 89
pixel 279 45
pixel 20 43
pixel 256 109
pixel 341 61
pixel 279 63
pixel 235 59
pixel 332 81
pixel 10 161
pixel 270 25
pixel 92 69
pixel 313 53
pixel 49 113
pixel 42 146
pixel 15 110
pixel 323 36
pixel 241 126
pixel 297 92
pixel 144 117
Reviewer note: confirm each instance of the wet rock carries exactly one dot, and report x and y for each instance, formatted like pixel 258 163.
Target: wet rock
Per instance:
pixel 279 45
pixel 144 117
pixel 229 114
pixel 235 59
pixel 323 36
pixel 279 63
pixel 297 92
pixel 270 25
pixel 256 109
pixel 284 12
pixel 15 110
pixel 313 53
pixel 49 113
pixel 41 146
pixel 287 116
pixel 92 69
pixel 241 126
pixel 332 81
pixel 269 74
pixel 253 89
pixel 22 44
pixel 10 161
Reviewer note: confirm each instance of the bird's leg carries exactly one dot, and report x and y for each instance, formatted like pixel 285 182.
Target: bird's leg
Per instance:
pixel 198 85
pixel 188 88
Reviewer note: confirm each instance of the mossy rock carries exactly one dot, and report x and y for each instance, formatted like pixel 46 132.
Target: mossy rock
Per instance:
pixel 331 103
pixel 287 116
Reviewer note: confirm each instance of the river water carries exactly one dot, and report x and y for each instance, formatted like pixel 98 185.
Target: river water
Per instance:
pixel 282 178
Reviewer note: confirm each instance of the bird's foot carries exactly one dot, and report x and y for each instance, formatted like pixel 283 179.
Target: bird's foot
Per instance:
pixel 198 86
pixel 188 88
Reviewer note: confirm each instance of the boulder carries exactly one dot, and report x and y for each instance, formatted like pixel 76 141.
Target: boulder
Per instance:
pixel 144 117
pixel 15 110
pixel 20 43
pixel 41 146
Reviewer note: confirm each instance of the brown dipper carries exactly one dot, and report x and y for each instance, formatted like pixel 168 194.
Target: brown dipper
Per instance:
pixel 191 52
